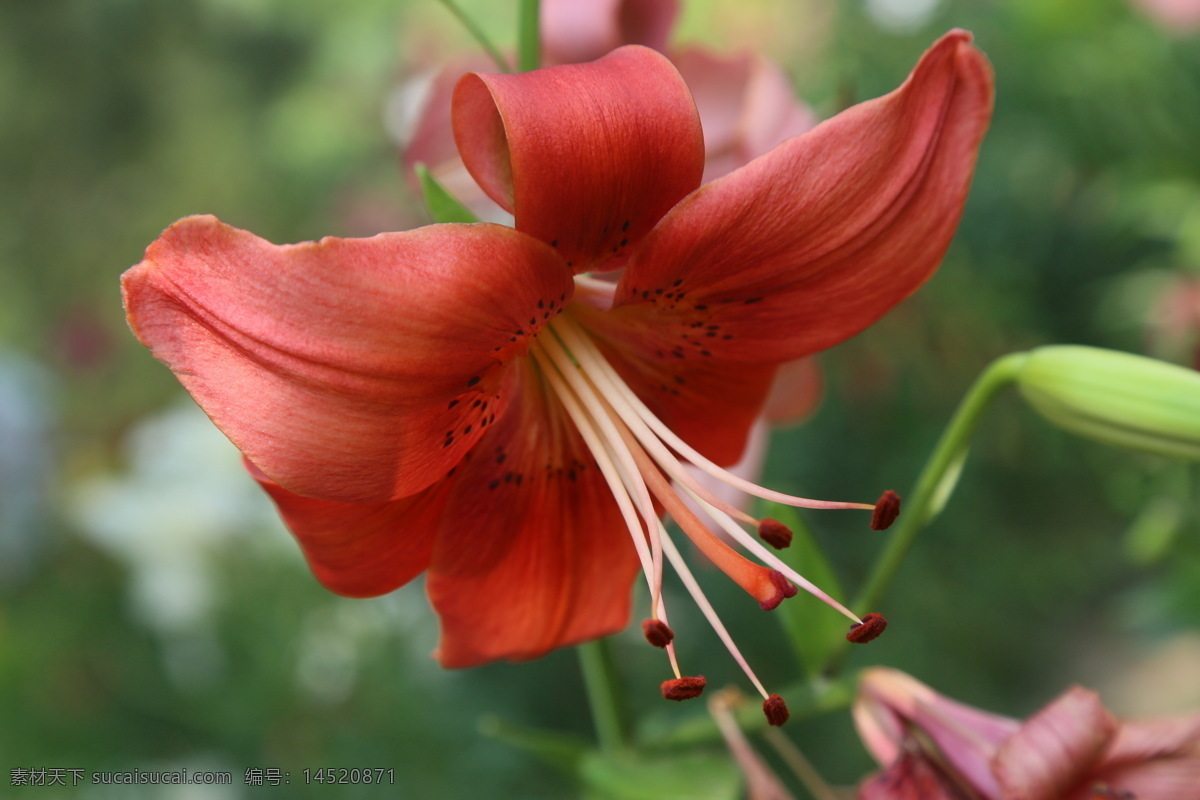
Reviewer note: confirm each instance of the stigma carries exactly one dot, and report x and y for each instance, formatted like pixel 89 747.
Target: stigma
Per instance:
pixel 644 464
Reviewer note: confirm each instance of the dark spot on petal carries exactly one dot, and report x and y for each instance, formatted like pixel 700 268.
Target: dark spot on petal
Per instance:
pixel 473 381
pixel 494 484
pixel 453 403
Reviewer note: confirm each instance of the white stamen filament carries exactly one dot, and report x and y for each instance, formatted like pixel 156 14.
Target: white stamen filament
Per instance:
pixel 617 485
pixel 630 446
pixel 590 359
pixel 586 394
pixel 766 556
pixel 689 581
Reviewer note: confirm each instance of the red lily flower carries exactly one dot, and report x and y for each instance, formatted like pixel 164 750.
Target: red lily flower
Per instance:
pixel 462 400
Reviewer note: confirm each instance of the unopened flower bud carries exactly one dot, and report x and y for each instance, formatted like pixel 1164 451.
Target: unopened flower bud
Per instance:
pixel 1116 398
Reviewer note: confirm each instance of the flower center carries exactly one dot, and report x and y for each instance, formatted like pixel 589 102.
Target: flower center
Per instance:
pixel 639 457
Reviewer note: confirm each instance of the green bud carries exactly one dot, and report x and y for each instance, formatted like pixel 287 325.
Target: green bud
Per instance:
pixel 1117 398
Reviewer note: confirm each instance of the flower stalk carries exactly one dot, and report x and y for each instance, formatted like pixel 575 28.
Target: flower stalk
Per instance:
pixel 604 700
pixel 529 40
pixel 929 491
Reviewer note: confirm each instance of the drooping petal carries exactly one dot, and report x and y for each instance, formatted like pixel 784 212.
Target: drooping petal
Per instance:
pixel 354 370
pixel 532 553
pixel 362 549
pixel 1055 748
pixel 814 241
pixel 582 30
pixel 588 157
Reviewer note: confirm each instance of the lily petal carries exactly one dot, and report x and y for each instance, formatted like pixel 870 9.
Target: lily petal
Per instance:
pixel 532 553
pixel 1160 779
pixel 913 776
pixel 796 392
pixel 811 243
pixel 623 145
pixel 361 549
pixel 1055 748
pixel 746 106
pixel 1159 737
pixel 353 370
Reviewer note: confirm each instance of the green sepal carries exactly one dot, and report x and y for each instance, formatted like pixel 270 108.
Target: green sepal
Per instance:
pixel 443 206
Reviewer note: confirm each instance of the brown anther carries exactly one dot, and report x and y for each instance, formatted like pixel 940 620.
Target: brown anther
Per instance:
pixel 775 533
pixel 684 688
pixel 657 633
pixel 871 626
pixel 776 710
pixel 886 511
pixel 784 589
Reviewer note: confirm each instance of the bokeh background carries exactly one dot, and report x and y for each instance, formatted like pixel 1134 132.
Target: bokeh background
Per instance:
pixel 155 615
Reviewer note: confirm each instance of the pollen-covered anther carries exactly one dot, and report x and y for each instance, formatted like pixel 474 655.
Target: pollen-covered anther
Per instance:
pixel 783 590
pixel 871 626
pixel 775 710
pixel 775 533
pixel 886 511
pixel 657 633
pixel 684 688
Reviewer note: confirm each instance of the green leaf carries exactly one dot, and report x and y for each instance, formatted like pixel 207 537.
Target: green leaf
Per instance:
pixel 443 206
pixel 560 750
pixel 813 628
pixel 945 486
pixel 693 776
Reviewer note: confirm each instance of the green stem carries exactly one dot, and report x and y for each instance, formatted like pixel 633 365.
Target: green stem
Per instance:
pixel 478 35
pixel 600 682
pixel 919 505
pixel 529 40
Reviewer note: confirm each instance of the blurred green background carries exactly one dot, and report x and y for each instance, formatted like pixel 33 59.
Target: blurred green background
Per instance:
pixel 155 615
